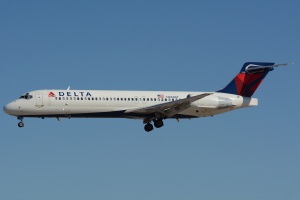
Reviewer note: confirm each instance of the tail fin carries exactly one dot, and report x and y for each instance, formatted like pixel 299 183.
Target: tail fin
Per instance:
pixel 249 78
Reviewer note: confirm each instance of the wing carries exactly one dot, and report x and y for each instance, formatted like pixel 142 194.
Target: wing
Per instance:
pixel 169 109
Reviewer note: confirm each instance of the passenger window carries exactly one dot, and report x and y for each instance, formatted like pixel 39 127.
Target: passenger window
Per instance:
pixel 106 99
pixel 81 98
pixel 128 99
pixel 147 99
pixel 132 99
pixel 121 99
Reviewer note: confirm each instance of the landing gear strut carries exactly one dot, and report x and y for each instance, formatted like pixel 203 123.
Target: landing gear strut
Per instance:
pixel 20 124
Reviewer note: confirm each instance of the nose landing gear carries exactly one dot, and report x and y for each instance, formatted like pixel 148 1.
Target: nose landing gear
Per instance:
pixel 20 124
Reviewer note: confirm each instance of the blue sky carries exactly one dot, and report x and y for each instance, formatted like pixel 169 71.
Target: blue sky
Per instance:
pixel 150 45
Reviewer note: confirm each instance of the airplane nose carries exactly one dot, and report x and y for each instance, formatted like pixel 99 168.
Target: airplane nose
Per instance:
pixel 5 109
pixel 8 109
pixel 11 108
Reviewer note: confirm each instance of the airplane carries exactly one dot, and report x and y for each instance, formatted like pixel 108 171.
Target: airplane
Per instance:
pixel 149 106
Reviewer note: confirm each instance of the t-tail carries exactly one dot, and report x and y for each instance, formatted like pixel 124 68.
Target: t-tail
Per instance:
pixel 249 78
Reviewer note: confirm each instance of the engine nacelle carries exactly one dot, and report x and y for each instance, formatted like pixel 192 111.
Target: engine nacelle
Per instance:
pixel 224 102
pixel 213 102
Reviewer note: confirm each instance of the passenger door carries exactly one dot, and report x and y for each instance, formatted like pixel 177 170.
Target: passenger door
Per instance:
pixel 39 100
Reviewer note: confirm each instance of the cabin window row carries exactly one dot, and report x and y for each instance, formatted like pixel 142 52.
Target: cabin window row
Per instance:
pixel 113 99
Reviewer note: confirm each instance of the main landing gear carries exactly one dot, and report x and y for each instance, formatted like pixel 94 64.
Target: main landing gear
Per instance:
pixel 157 123
pixel 20 124
pixel 148 127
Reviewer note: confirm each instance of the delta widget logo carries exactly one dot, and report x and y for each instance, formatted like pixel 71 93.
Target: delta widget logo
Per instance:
pixel 51 94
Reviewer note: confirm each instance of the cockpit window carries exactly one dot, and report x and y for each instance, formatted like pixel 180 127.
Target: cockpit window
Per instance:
pixel 26 96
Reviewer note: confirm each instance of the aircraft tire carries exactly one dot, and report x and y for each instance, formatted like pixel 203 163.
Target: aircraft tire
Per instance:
pixel 158 123
pixel 148 127
pixel 20 124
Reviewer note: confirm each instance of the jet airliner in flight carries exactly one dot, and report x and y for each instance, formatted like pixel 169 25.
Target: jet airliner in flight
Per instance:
pixel 152 107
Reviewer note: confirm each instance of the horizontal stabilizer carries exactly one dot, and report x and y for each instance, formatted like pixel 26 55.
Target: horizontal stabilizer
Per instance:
pixel 253 68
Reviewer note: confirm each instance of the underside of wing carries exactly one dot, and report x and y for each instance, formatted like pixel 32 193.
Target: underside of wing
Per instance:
pixel 169 109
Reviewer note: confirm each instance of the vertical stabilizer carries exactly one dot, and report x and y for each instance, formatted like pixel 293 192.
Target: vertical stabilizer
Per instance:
pixel 249 78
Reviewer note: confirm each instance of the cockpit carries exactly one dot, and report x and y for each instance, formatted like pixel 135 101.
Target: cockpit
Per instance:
pixel 26 96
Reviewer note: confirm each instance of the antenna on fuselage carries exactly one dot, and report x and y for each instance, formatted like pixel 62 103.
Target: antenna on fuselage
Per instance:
pixel 69 88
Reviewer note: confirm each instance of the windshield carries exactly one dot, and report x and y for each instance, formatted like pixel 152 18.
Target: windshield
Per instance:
pixel 26 96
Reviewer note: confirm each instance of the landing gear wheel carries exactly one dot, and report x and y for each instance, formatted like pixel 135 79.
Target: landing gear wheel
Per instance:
pixel 158 123
pixel 20 124
pixel 148 127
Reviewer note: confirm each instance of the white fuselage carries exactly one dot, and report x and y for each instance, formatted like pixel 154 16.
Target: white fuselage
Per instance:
pixel 116 104
pixel 151 106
